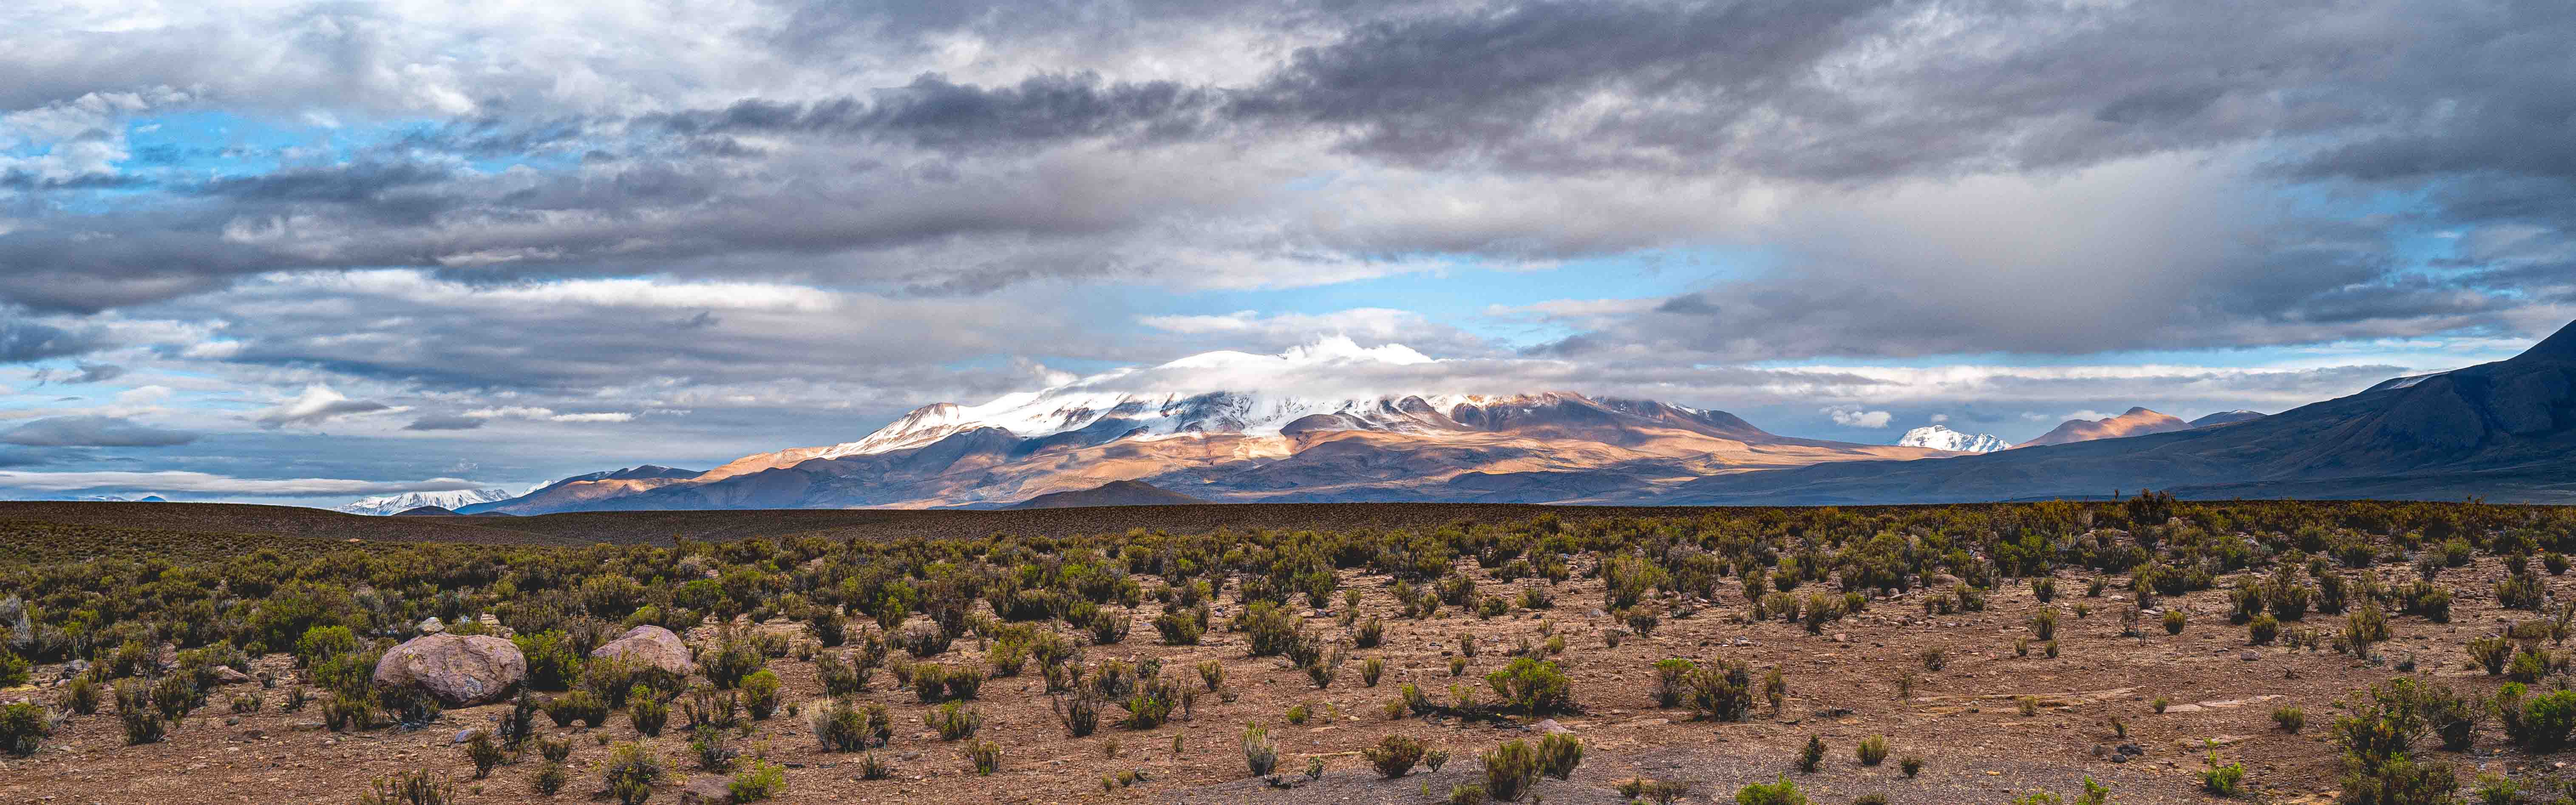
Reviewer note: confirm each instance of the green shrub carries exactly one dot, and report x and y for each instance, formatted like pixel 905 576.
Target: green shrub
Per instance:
pixel 1370 670
pixel 1779 793
pixel 631 772
pixel 485 752
pixel 550 779
pixel 2548 719
pixel 954 721
pixel 1259 752
pixel 844 727
pixel 707 707
pixel 1272 629
pixel 2496 789
pixel 552 665
pixel 1671 680
pixel 762 781
pixel 344 711
pixel 580 705
pixel 1394 755
pixel 1912 765
pixel 647 711
pixel 409 788
pixel 760 694
pixel 2289 717
pixel 2173 621
pixel 1721 691
pixel 1811 756
pixel 1511 770
pixel 731 660
pixel 81 695
pixel 986 756
pixel 1872 750
pixel 1532 687
pixel 1183 628
pixel 24 726
pixel 2225 781
pixel 1558 755
pixel 2491 652
pixel 838 676
pixel 2263 629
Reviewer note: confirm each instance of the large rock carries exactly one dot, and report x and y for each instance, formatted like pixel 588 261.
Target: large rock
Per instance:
pixel 650 646
pixel 461 670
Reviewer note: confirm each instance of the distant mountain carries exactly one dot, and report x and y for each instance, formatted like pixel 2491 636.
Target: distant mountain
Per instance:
pixel 2227 418
pixel 1230 445
pixel 425 511
pixel 2504 431
pixel 2135 422
pixel 391 504
pixel 1942 438
pixel 570 494
pixel 1114 493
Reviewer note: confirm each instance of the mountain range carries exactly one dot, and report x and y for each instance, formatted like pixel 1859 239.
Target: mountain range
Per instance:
pixel 2503 430
pixel 2134 422
pixel 1940 437
pixel 396 504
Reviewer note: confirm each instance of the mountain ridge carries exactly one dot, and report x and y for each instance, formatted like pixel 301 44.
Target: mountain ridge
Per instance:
pixel 2504 430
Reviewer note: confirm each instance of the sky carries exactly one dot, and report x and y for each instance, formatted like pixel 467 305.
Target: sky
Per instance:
pixel 303 252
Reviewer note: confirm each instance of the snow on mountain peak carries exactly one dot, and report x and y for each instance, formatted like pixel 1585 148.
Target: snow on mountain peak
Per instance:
pixel 1942 438
pixel 1189 395
pixel 390 504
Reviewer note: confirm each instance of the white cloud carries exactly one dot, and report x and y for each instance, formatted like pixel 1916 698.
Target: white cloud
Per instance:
pixel 208 483
pixel 1851 416
pixel 1940 418
pixel 318 404
pixel 548 414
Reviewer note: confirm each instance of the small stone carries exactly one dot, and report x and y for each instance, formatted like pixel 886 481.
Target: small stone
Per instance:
pixel 463 736
pixel 1550 727
pixel 2249 656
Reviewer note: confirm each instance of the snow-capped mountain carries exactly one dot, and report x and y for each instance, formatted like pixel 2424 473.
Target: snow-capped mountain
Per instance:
pixel 1327 421
pixel 389 504
pixel 1942 438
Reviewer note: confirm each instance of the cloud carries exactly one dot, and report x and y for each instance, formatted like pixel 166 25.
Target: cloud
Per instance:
pixel 207 483
pixel 86 373
pixel 445 422
pixel 1851 416
pixel 547 415
pixel 317 404
pixel 1940 418
pixel 22 341
pixel 92 431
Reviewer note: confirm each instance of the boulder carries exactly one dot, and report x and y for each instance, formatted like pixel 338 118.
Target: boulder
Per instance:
pixel 652 647
pixel 461 670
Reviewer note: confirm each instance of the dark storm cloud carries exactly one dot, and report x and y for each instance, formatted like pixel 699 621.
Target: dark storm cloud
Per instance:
pixel 340 184
pixel 1076 142
pixel 445 422
pixel 935 112
pixel 23 341
pixel 92 431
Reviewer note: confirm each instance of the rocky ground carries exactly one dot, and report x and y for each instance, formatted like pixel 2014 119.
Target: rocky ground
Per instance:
pixel 1964 721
